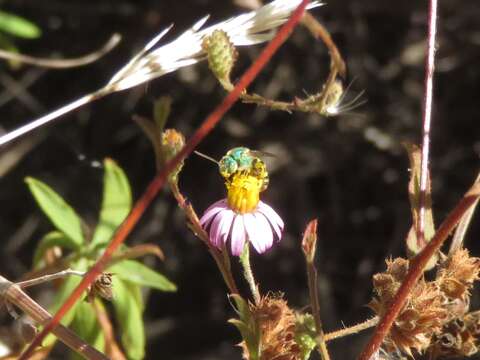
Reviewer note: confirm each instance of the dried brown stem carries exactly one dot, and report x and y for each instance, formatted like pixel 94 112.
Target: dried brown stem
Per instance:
pixel 49 277
pixel 13 294
pixel 319 31
pixel 223 262
pixel 63 63
pixel 417 266
pixel 309 246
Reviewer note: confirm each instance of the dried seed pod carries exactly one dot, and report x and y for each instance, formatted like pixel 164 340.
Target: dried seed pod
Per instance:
pixel 457 274
pixel 277 324
pixel 422 316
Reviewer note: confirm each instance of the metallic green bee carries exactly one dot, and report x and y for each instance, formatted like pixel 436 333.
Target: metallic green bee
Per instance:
pixel 242 159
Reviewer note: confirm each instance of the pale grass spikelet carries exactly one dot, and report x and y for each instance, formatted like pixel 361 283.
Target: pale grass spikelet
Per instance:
pixel 152 62
pixel 244 30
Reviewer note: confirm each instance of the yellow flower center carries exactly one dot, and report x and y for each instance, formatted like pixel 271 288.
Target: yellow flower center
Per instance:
pixel 243 192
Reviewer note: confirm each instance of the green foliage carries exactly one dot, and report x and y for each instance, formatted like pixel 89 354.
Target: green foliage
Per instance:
pixel 129 311
pixel 54 238
pixel 305 334
pixel 62 216
pixel 247 326
pixel 129 275
pixel 140 274
pixel 116 203
pixel 18 26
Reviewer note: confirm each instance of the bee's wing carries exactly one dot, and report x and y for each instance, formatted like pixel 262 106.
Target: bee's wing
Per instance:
pixel 260 154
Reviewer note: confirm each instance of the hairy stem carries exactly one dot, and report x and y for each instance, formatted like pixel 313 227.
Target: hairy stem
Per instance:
pixel 248 273
pixel 427 117
pixel 352 329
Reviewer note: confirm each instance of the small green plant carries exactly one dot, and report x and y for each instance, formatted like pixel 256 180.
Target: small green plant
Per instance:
pixel 84 246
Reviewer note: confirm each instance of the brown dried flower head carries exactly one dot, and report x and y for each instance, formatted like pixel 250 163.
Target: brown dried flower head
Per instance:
pixel 277 326
pixel 459 338
pixel 423 315
pixel 457 274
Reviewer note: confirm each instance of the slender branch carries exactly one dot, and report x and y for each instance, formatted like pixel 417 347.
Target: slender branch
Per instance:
pixel 352 329
pixel 158 182
pixel 417 266
pixel 427 116
pixel 13 294
pixel 223 262
pixel 63 63
pixel 309 247
pixel 50 277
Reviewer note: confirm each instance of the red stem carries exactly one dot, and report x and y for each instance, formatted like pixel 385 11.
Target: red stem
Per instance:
pixel 417 266
pixel 157 183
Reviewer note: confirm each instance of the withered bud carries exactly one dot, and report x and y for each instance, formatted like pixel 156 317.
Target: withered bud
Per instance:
pixel 221 55
pixel 173 142
pixel 102 287
pixel 309 242
pixel 457 274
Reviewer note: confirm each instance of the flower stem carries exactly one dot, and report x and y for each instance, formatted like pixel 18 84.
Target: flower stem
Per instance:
pixel 352 329
pixel 309 247
pixel 248 273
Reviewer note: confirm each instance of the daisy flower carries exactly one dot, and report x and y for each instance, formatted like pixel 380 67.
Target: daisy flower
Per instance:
pixel 242 217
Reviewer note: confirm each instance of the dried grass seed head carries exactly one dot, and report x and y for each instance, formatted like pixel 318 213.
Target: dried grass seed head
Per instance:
pixel 244 30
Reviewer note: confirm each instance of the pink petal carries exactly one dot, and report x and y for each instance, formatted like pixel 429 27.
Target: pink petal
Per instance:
pixel 221 228
pixel 212 211
pixel 274 219
pixel 259 232
pixel 238 235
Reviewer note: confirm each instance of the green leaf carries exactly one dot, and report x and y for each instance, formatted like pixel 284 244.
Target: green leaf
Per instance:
pixel 116 203
pixel 140 274
pixel 129 315
pixel 63 217
pixel 63 293
pixel 86 326
pixel 18 26
pixel 54 238
pixel 247 326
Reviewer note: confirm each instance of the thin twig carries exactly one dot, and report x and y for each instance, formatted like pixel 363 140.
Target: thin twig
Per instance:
pixel 50 277
pixel 427 117
pixel 416 269
pixel 63 63
pixel 352 329
pixel 309 247
pixel 13 294
pixel 157 183
pixel 223 262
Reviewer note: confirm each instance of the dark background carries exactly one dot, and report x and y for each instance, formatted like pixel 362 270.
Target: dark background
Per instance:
pixel 350 172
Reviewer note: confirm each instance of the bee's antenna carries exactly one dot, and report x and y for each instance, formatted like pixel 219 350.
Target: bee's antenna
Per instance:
pixel 205 156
